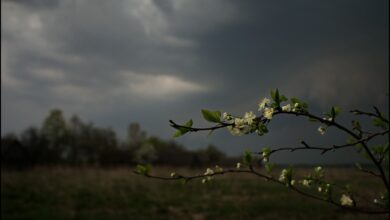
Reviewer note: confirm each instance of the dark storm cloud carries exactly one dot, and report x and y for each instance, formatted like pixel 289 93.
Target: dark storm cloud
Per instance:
pixel 36 4
pixel 151 61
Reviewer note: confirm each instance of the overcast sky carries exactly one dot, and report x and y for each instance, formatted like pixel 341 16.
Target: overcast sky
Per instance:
pixel 116 62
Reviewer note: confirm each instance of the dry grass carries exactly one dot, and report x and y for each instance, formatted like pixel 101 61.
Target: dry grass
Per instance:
pixel 89 193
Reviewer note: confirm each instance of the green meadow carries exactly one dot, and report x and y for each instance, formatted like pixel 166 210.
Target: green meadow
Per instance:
pixel 117 193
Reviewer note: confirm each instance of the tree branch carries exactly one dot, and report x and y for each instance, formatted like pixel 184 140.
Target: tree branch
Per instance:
pixel 269 178
pixel 377 114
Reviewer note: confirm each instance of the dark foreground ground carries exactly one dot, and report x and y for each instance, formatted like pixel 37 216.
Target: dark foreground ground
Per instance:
pixel 89 193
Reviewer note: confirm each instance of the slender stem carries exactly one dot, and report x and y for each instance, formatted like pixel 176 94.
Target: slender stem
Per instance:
pixel 377 114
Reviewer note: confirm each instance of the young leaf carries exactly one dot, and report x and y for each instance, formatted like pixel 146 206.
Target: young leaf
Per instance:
pixel 272 93
pixel 335 111
pixel 211 116
pixel 269 167
pixel 295 100
pixel 247 158
pixel 275 96
pixel 356 125
pixel 181 131
pixel 283 98
pixel 143 169
pixel 379 123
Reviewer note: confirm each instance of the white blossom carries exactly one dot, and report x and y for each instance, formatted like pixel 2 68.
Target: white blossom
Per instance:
pixel 249 117
pixel 209 171
pixel 268 112
pixel 327 119
pixel 318 169
pixel 306 182
pixel 346 200
pixel 286 108
pixel 295 108
pixel 238 122
pixel 263 104
pixel 226 116
pixel 322 130
pixel 173 174
pixel 235 131
pixel 238 165
pixel 283 175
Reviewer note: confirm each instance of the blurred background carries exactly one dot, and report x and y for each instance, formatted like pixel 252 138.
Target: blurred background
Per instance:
pixel 94 83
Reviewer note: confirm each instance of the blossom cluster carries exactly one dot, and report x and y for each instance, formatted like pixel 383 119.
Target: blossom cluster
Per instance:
pixel 286 177
pixel 346 200
pixel 210 172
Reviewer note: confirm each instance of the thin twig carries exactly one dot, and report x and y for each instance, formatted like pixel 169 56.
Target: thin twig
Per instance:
pixel 269 178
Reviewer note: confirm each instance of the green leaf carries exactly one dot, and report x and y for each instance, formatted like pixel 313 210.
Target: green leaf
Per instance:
pixel 379 122
pixel 295 100
pixel 356 125
pixel 275 96
pixel 269 167
pixel 247 158
pixel 143 169
pixel 211 116
pixel 283 98
pixel 181 131
pixel 335 111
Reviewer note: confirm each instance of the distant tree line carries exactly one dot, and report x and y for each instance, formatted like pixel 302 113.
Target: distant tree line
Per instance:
pixel 74 142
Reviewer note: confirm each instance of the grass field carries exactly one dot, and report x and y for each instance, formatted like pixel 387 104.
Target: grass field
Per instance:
pixel 89 193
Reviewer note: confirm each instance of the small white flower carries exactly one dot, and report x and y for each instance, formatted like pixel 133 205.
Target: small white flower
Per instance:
pixel 234 131
pixel 327 187
pixel 286 108
pixel 263 104
pixel 319 189
pixel 268 112
pixel 238 165
pixel 209 171
pixel 283 175
pixel 265 156
pixel 346 200
pixel 292 182
pixel 239 122
pixel 226 116
pixel 306 182
pixel 376 201
pixel 318 169
pixel 295 107
pixel 204 180
pixel 249 117
pixel 173 174
pixel 322 130
pixel 327 119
